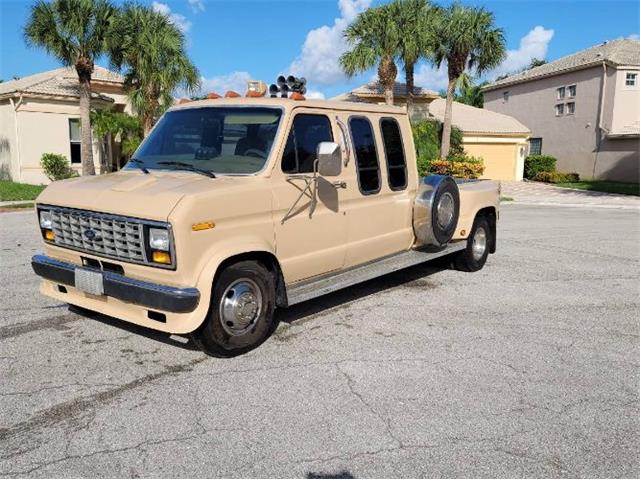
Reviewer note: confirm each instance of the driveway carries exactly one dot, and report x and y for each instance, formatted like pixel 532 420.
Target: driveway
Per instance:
pixel 536 193
pixel 528 368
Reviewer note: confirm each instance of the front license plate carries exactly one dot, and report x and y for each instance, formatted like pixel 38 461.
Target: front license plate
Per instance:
pixel 89 281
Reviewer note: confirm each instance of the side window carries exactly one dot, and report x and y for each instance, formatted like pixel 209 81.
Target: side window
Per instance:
pixel 366 156
pixel 394 151
pixel 307 131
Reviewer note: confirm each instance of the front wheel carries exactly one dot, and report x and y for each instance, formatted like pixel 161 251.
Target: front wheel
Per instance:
pixel 474 256
pixel 241 314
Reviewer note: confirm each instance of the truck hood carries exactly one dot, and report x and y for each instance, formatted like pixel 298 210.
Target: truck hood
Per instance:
pixel 131 193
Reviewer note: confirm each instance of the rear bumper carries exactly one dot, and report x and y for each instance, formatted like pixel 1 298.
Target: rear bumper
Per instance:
pixel 146 294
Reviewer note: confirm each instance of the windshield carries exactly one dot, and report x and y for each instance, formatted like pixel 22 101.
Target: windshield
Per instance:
pixel 234 140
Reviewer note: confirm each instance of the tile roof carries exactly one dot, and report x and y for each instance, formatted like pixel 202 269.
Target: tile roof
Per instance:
pixel 477 120
pixel 61 82
pixel 616 52
pixel 375 89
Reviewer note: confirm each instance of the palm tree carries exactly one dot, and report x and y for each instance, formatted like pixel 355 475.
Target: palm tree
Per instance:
pixel 73 31
pixel 152 49
pixel 468 92
pixel 374 37
pixel 414 19
pixel 464 37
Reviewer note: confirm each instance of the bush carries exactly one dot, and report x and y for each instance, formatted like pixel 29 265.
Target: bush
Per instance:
pixel 56 167
pixel 556 177
pixel 426 136
pixel 535 164
pixel 462 166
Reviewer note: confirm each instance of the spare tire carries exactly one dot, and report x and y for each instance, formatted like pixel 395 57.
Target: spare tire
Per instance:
pixel 436 210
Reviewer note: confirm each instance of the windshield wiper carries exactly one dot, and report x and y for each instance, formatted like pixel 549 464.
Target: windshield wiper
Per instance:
pixel 190 168
pixel 140 164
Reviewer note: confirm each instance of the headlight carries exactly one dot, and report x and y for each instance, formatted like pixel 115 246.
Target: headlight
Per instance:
pixel 159 239
pixel 45 219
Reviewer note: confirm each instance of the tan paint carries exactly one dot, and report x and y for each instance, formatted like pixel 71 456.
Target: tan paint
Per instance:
pixel 345 229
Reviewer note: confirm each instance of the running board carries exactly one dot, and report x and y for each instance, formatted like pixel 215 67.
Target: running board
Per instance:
pixel 316 287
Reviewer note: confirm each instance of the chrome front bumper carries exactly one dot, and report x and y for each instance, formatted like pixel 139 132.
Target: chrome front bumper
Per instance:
pixel 146 294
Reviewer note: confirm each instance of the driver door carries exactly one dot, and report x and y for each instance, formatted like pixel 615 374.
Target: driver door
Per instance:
pixel 310 238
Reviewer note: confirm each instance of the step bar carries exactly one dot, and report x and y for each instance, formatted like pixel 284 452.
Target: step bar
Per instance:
pixel 316 287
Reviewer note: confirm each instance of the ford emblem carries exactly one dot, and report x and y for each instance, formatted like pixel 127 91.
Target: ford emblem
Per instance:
pixel 91 235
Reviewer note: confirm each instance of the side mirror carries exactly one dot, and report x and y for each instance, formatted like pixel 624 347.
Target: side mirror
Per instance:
pixel 329 159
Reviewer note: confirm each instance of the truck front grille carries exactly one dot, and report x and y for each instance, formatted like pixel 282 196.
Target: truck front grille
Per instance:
pixel 103 234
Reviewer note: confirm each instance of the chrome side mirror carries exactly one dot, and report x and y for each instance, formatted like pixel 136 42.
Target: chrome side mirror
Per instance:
pixel 329 159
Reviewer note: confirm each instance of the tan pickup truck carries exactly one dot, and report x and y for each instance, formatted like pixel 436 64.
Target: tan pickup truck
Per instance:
pixel 234 207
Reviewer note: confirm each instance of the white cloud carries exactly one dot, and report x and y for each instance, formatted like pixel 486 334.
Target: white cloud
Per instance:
pixel 427 76
pixel 314 95
pixel 177 19
pixel 533 45
pixel 319 58
pixel 634 36
pixel 196 5
pixel 236 81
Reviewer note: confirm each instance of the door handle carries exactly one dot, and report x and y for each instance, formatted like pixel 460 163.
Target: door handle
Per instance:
pixel 340 184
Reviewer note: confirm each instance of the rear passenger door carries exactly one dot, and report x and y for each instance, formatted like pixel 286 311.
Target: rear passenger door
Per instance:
pixel 377 199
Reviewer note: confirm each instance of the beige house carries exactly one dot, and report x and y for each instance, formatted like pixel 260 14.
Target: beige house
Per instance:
pixel 584 109
pixel 41 114
pixel 499 139
pixel 373 92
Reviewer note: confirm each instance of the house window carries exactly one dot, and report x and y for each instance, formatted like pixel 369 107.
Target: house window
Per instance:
pixel 559 109
pixel 306 133
pixel 572 91
pixel 535 146
pixel 571 108
pixel 631 80
pixel 366 155
pixel 394 151
pixel 505 96
pixel 74 140
pixel 560 93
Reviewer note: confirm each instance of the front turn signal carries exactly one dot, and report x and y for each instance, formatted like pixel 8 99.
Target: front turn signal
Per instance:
pixel 49 235
pixel 161 257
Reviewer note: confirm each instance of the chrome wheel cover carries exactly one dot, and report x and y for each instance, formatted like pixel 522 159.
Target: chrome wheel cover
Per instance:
pixel 240 306
pixel 479 244
pixel 445 210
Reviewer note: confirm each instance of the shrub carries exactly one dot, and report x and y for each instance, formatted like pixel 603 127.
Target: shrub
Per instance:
pixel 462 166
pixel 427 135
pixel 535 164
pixel 556 177
pixel 56 167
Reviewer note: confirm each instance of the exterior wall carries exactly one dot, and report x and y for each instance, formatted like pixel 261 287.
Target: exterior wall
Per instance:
pixel 9 161
pixel 626 103
pixel 43 127
pixel 572 139
pixel 503 157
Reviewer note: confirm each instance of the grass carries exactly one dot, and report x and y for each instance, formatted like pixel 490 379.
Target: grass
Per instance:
pixel 604 186
pixel 506 199
pixel 18 191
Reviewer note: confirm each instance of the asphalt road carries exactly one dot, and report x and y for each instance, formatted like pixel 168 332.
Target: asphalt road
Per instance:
pixel 527 368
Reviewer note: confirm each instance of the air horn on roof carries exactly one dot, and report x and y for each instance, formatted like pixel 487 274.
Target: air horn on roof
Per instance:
pixel 289 84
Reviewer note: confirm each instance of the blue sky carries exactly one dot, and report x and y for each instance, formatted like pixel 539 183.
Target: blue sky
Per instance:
pixel 231 41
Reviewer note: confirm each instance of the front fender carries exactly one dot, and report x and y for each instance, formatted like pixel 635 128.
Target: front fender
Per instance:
pixel 215 256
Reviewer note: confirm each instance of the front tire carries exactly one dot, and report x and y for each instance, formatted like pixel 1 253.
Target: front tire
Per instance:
pixel 241 313
pixel 474 256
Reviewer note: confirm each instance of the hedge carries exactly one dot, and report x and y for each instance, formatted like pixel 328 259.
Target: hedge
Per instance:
pixel 535 164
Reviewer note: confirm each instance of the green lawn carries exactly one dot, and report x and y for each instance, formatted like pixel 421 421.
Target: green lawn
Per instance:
pixel 18 191
pixel 604 186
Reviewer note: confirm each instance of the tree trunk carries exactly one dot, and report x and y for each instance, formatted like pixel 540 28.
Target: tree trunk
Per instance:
pixel 147 123
pixel 446 127
pixel 387 72
pixel 86 148
pixel 109 152
pixel 410 86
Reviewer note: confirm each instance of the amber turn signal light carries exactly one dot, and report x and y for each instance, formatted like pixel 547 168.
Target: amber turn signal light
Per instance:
pixel 49 235
pixel 161 257
pixel 196 227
